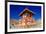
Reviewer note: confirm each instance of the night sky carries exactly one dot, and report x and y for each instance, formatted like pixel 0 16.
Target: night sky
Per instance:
pixel 15 10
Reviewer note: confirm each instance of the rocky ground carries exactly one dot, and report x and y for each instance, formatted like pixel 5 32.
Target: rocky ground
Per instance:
pixel 14 24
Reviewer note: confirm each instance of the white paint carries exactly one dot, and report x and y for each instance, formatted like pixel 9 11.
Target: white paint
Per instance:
pixel 2 16
pixel 30 0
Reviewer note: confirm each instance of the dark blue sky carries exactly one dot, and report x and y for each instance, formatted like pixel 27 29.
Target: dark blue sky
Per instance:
pixel 15 10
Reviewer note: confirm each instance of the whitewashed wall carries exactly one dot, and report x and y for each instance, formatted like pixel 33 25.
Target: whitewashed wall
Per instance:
pixel 30 0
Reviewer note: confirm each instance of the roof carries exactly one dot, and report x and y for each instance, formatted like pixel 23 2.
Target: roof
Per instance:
pixel 26 11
